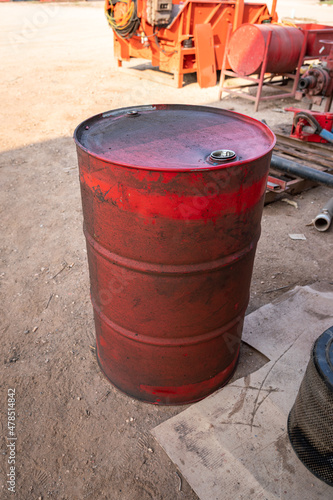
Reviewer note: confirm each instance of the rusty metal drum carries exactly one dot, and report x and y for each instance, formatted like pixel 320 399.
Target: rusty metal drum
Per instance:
pixel 247 47
pixel 172 200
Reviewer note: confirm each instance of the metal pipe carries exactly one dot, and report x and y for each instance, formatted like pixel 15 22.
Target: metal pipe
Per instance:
pixel 294 168
pixel 323 220
pixel 307 82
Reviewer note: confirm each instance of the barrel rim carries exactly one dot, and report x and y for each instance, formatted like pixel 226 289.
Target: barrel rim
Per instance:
pixel 322 357
pixel 185 168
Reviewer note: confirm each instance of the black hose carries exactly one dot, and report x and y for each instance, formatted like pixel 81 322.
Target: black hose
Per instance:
pixel 127 30
pixel 291 167
pixel 161 48
pixel 310 119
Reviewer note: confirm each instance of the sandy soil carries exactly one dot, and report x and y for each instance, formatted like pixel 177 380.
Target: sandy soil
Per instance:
pixel 77 436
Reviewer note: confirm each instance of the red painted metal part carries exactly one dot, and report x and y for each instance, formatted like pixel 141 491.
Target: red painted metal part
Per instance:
pixel 299 130
pixel 205 56
pixel 247 48
pixel 262 76
pixel 316 84
pixel 171 238
pixel 316 32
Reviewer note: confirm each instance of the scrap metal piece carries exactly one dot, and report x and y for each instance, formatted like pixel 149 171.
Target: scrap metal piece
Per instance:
pixel 323 220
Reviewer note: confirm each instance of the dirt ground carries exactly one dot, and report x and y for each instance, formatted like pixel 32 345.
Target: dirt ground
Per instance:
pixel 77 436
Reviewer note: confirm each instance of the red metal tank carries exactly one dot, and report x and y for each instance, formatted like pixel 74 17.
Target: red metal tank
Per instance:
pixel 247 45
pixel 171 234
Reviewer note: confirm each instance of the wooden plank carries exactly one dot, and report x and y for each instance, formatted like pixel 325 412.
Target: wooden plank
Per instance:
pixel 319 153
pixel 294 186
pixel 309 157
pixel 150 73
pixel 283 136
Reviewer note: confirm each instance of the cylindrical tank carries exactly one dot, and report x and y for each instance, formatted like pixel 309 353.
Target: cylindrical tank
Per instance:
pixel 247 48
pixel 172 201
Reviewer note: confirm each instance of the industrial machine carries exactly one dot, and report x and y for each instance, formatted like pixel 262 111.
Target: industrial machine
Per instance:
pixel 316 83
pixel 276 53
pixel 312 126
pixel 180 37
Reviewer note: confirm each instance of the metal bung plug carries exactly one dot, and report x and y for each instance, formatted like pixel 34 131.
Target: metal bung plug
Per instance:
pixel 133 112
pixel 222 155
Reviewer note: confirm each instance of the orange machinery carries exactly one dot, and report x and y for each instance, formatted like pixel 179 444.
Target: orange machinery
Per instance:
pixel 180 37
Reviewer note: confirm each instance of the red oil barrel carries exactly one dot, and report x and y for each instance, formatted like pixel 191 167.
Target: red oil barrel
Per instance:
pixel 247 48
pixel 172 201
